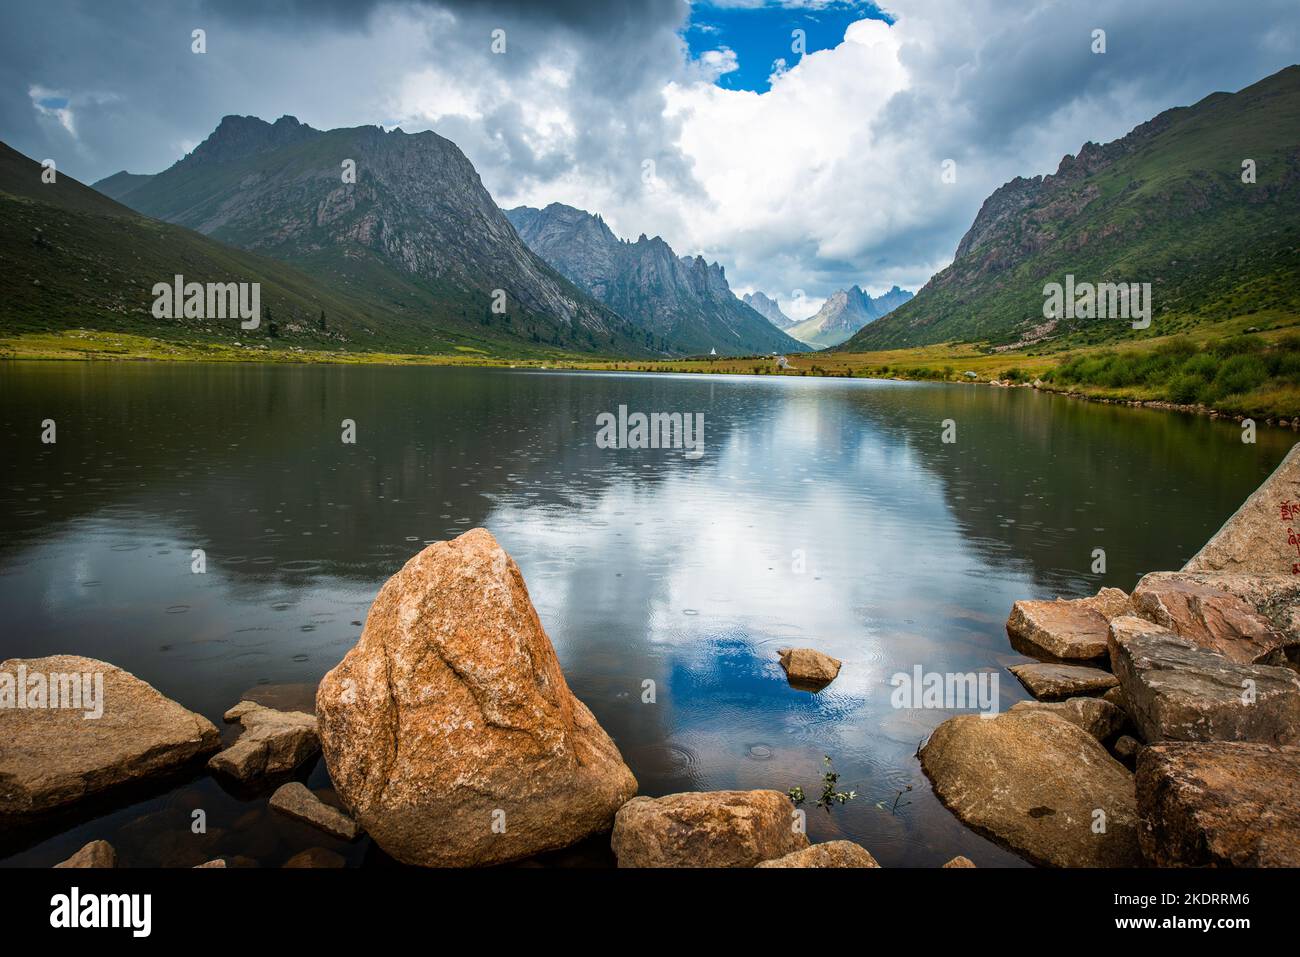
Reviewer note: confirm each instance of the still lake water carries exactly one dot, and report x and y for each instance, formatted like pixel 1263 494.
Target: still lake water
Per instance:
pixel 642 564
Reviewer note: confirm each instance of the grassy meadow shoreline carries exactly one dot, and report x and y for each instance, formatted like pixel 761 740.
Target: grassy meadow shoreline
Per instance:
pixel 1227 369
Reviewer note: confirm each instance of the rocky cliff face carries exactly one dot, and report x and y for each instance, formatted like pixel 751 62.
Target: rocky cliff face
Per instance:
pixel 683 305
pixel 1165 205
pixel 844 313
pixel 768 309
pixel 417 224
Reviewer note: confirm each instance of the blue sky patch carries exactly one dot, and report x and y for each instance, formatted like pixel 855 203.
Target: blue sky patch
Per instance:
pixel 759 36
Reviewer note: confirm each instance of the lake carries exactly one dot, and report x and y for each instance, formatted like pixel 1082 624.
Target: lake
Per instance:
pixel 823 512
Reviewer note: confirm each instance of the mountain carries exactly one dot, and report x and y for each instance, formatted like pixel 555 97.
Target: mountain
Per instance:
pixel 72 258
pixel 1165 205
pixel 119 185
pixel 844 313
pixel 684 306
pixel 416 232
pixel 768 309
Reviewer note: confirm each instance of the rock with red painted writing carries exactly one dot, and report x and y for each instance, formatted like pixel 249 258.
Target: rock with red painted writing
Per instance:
pixel 1258 538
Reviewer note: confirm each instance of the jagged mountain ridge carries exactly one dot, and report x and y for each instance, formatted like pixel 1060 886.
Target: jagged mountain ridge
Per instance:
pixel 684 305
pixel 845 312
pixel 768 308
pixel 416 229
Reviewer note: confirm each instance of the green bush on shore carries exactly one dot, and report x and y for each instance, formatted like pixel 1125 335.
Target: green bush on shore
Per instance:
pixel 1182 372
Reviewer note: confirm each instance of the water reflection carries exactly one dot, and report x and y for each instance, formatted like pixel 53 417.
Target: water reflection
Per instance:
pixel 824 512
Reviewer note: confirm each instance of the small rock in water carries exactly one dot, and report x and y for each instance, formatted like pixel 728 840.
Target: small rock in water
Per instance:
pixel 808 668
pixel 829 854
pixel 297 801
pixel 94 854
pixel 960 861
pixel 1048 681
pixel 316 857
pixel 217 862
pixel 272 742
pixel 706 829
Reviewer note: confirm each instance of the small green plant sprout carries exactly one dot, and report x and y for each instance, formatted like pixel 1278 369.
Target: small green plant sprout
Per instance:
pixel 796 795
pixel 831 796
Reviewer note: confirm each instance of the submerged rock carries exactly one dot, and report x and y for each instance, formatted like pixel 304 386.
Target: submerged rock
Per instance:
pixel 1220 804
pixel 1037 784
pixel 272 742
pixel 1196 608
pixel 55 757
pixel 449 730
pixel 829 854
pixel 706 829
pixel 296 800
pixel 1177 691
pixel 94 854
pixel 1098 717
pixel 1048 681
pixel 1255 539
pixel 316 857
pixel 808 668
pixel 1066 630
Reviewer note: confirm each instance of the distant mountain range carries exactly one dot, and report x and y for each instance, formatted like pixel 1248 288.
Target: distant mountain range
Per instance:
pixel 416 234
pixel 844 313
pixel 1167 204
pixel 683 304
pixel 768 309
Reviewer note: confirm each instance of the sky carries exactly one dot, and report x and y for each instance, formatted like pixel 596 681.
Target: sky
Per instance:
pixel 800 143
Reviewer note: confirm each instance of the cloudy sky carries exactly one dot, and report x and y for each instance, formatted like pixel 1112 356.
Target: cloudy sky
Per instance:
pixel 803 161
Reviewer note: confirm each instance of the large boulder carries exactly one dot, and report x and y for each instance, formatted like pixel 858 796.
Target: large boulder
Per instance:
pixel 706 829
pixel 1221 804
pixel 1066 630
pixel 449 731
pixel 1255 539
pixel 829 854
pixel 1048 681
pixel 1177 691
pixel 1037 784
pixel 1199 609
pixel 53 757
pixel 271 743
